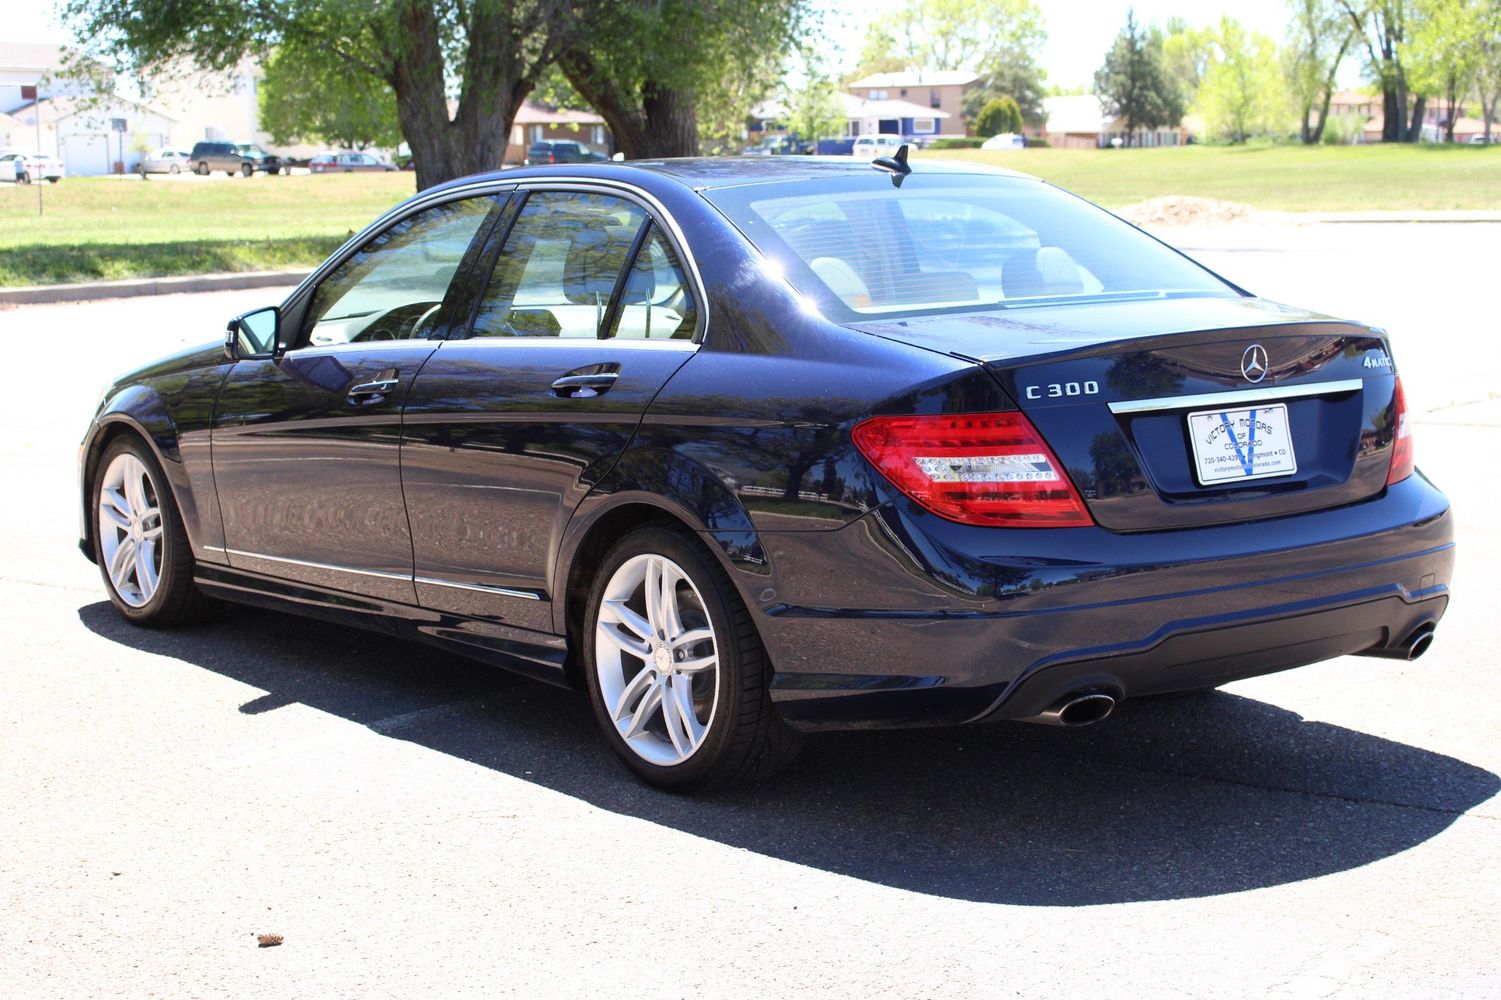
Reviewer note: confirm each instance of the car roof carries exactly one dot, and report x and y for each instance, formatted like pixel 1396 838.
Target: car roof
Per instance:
pixel 709 172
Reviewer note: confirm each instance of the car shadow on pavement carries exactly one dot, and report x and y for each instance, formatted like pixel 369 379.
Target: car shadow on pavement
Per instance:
pixel 1172 798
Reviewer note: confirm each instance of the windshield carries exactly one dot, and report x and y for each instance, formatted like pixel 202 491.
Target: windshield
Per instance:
pixel 861 246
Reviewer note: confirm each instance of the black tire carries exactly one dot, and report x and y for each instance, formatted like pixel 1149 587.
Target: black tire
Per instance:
pixel 246 170
pixel 177 600
pixel 174 169
pixel 201 169
pixel 745 739
pixel 23 178
pixel 53 180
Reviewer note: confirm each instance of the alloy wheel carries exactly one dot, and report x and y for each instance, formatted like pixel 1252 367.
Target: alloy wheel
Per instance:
pixel 656 659
pixel 130 530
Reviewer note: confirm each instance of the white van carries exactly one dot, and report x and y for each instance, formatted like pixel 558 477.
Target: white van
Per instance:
pixel 868 147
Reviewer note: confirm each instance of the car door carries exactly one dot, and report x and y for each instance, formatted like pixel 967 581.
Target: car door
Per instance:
pixel 587 312
pixel 306 439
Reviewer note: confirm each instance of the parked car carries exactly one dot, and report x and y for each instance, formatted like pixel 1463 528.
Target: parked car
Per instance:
pixel 780 145
pixel 1005 140
pixel 347 163
pixel 24 167
pixel 868 147
pixel 243 159
pixel 165 161
pixel 747 448
pixel 261 161
pixel 561 151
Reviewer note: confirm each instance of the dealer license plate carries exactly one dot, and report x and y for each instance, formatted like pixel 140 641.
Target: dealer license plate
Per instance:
pixel 1234 445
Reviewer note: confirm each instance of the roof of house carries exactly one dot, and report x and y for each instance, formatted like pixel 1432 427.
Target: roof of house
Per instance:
pixel 857 108
pixel 1075 113
pixel 53 109
pixel 918 78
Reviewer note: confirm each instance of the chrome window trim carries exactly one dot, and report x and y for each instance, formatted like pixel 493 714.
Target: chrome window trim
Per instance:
pixel 1214 399
pixel 480 588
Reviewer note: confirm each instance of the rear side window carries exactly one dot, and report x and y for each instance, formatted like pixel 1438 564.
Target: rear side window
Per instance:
pixel 861 246
pixel 656 302
pixel 556 274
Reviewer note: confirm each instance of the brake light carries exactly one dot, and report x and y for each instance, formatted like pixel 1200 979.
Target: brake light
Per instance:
pixel 1402 455
pixel 975 468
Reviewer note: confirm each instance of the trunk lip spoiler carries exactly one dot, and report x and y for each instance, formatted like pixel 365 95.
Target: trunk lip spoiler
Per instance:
pixel 1214 399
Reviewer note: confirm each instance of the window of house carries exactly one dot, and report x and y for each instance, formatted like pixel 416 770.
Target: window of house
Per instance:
pixel 924 125
pixel 935 99
pixel 878 95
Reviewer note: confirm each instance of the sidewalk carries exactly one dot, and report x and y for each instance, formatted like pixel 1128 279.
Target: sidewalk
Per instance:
pixel 86 291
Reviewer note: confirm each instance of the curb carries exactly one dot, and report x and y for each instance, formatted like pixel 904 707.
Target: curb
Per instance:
pixel 92 290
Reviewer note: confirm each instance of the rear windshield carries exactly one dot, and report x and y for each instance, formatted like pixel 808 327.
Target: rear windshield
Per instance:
pixel 861 247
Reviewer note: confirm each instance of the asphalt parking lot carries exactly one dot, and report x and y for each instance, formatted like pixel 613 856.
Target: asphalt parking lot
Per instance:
pixel 415 825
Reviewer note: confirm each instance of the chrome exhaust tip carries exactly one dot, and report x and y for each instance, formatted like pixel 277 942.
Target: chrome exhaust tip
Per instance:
pixel 1413 646
pixel 1083 708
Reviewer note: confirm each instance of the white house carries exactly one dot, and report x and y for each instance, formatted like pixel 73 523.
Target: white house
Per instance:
pixel 1077 121
pixel 92 136
pixel 222 107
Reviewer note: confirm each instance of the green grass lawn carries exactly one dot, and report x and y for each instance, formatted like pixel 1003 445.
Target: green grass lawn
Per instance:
pixel 96 228
pixel 1283 178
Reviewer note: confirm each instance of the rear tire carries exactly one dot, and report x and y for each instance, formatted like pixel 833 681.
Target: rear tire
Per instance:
pixel 139 541
pixel 201 170
pixel 688 707
pixel 246 170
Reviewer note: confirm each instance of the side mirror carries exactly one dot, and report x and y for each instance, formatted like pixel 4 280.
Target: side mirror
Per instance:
pixel 252 334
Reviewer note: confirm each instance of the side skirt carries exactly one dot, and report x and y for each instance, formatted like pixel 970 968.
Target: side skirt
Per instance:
pixel 539 655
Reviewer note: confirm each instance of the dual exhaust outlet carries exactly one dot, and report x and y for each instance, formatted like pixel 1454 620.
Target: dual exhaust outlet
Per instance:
pixel 1086 707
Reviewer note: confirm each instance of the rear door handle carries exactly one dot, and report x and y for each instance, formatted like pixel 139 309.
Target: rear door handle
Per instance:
pixel 378 386
pixel 583 386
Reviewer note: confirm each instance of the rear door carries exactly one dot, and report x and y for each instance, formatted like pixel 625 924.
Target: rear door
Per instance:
pixel 588 310
pixel 306 441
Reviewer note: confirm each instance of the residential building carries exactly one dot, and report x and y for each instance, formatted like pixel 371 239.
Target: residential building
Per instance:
pixel 1080 122
pixel 91 135
pixel 533 123
pixel 217 107
pixel 862 116
pixel 938 93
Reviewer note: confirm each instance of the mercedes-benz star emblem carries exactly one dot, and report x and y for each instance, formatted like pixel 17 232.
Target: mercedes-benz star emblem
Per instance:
pixel 1253 363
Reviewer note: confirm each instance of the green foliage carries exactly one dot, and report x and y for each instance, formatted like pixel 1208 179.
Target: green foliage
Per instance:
pixel 815 111
pixel 999 115
pixel 1133 83
pixel 1244 93
pixel 1319 37
pixel 958 142
pixel 1187 53
pixel 305 96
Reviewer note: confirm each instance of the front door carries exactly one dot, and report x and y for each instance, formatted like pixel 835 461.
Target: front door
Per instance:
pixel 587 313
pixel 306 442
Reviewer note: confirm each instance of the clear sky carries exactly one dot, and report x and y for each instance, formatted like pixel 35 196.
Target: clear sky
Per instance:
pixel 1079 31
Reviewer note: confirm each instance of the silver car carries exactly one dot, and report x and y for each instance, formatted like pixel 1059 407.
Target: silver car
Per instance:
pixel 164 161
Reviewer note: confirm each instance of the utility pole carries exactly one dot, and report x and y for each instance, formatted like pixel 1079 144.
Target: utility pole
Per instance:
pixel 36 109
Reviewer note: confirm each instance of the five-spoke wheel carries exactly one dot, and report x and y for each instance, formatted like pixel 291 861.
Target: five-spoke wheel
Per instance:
pixel 139 542
pixel 676 671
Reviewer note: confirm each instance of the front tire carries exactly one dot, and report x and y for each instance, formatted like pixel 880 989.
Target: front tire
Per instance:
pixel 139 541
pixel 676 673
pixel 201 170
pixel 246 170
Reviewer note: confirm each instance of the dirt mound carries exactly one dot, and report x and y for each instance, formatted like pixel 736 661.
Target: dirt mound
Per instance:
pixel 1183 210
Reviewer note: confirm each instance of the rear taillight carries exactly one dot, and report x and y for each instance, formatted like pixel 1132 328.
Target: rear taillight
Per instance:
pixel 975 468
pixel 1402 455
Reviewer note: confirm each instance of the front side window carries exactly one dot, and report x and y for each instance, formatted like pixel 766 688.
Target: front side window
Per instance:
pixel 392 287
pixel 557 272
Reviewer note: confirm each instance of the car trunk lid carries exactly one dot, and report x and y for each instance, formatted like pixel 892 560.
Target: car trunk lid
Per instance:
pixel 1176 413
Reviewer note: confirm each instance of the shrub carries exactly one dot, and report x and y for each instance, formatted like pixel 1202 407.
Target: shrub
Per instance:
pixel 999 115
pixel 957 142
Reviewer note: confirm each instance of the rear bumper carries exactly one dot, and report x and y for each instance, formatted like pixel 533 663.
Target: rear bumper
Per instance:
pixel 944 634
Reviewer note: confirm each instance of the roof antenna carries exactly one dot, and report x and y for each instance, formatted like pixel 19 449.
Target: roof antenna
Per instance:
pixel 895 165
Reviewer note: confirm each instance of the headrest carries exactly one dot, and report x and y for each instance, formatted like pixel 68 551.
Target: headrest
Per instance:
pixel 1044 271
pixel 596 249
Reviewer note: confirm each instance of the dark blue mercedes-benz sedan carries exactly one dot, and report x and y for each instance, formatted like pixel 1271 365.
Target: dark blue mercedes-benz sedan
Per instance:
pixel 746 448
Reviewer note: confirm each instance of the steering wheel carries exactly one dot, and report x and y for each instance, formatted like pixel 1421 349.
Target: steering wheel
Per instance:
pixel 417 331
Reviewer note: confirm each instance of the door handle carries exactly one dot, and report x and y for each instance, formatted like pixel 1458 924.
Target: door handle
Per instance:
pixel 583 386
pixel 378 386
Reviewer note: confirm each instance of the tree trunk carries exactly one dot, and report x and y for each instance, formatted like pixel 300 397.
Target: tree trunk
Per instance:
pixel 1415 126
pixel 660 122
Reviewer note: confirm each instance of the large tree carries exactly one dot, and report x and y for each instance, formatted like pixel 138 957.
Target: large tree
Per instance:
pixel 1133 84
pixel 488 54
pixel 1488 61
pixel 1319 37
pixel 1444 55
pixel 1187 55
pixel 305 96
pixel 1382 27
pixel 661 71
pixel 1244 92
